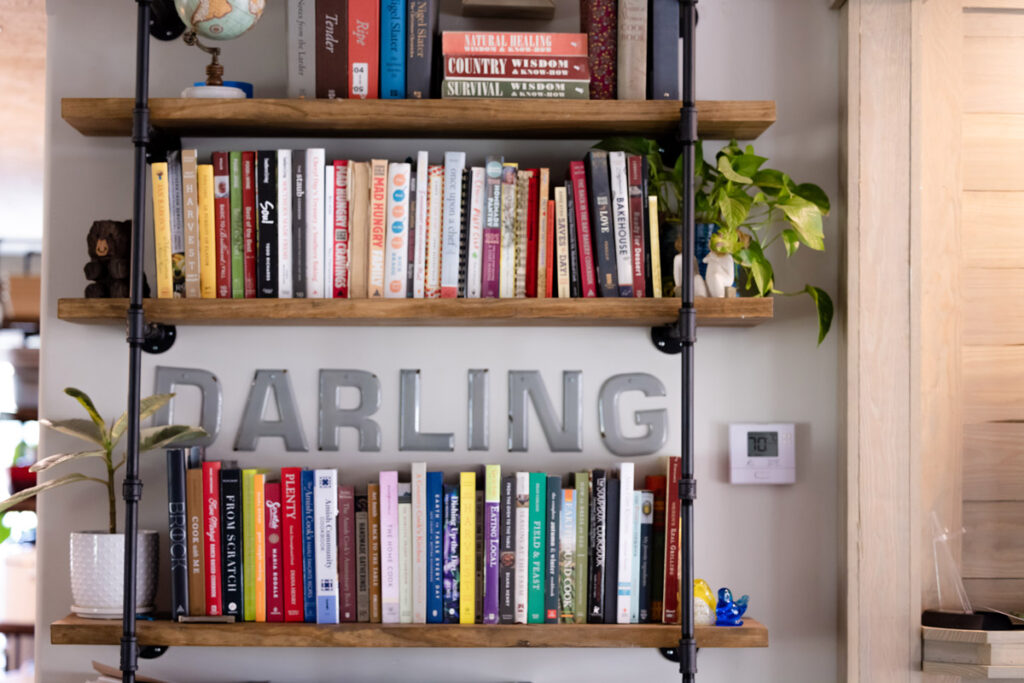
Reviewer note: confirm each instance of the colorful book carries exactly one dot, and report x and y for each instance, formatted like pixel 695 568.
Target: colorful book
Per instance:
pixel 514 66
pixel 363 48
pixel 359 227
pixel 315 271
pixel 522 230
pixel 248 545
pixel 422 205
pixel 162 231
pixel 231 541
pixel 507 550
pixel 491 523
pixel 211 542
pixel 347 607
pixel 549 253
pixel 331 72
pixel 222 221
pixel 174 190
pixel 435 548
pixel 259 492
pixel 421 27
pixel 475 230
pixel 392 49
pixel 177 532
pixel 646 556
pixel 663 50
pixel 597 548
pixel 599 20
pixel 654 241
pixel 634 172
pixel 207 233
pixel 451 223
pixel 390 586
pixel 532 44
pixel 190 221
pixel 603 231
pixel 582 537
pixel 266 223
pixel 378 226
pixel 491 258
pixel 656 484
pixel 196 566
pixel 611 570
pixel 300 182
pixel 338 236
pixel 450 585
pixel 419 542
pixel 540 254
pixel 307 482
pixel 274 552
pixel 551 575
pixel 567 557
pixel 561 243
pixel 434 240
pixel 291 541
pixel 362 558
pixel 405 553
pixel 522 557
pixel 284 224
pixel 325 505
pixel 249 224
pixel 467 548
pixel 507 265
pixel 373 508
pixel 584 231
pixel 396 249
pixel 670 590
pixel 237 230
pixel 530 88
pixel 625 548
pixel 537 548
pixel 632 50
pixel 620 222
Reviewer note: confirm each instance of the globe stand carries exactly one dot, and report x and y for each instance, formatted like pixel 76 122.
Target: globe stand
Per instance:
pixel 214 73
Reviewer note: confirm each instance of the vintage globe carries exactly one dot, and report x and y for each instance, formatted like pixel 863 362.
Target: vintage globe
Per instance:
pixel 219 19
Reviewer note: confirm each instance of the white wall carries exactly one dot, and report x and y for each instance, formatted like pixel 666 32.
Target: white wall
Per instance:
pixel 777 544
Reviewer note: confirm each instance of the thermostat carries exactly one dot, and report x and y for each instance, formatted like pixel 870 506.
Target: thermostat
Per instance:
pixel 762 453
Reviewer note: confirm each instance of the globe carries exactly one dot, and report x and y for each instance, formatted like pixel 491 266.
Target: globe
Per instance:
pixel 219 19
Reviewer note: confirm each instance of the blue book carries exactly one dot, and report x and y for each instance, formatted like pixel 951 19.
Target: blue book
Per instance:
pixel 308 548
pixel 392 49
pixel 435 547
pixel 451 554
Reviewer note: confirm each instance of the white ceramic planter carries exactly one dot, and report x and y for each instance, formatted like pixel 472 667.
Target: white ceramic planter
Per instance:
pixel 97 573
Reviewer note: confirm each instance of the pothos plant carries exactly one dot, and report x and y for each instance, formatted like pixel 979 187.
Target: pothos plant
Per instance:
pixel 105 439
pixel 753 207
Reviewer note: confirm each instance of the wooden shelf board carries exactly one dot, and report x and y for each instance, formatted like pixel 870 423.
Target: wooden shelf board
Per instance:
pixel 73 630
pixel 485 118
pixel 742 312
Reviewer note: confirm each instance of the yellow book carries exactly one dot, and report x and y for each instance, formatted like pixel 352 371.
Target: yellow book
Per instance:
pixel 207 240
pixel 655 248
pixel 259 503
pixel 162 231
pixel 467 548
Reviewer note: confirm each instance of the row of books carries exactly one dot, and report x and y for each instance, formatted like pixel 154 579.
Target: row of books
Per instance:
pixel 291 224
pixel 526 547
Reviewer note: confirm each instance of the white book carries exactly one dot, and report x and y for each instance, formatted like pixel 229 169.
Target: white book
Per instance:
pixel 435 208
pixel 507 266
pixel 522 572
pixel 419 273
pixel 389 550
pixel 396 249
pixel 620 221
pixel 329 188
pixel 419 542
pixel 625 549
pixel 634 581
pixel 284 224
pixel 301 49
pixel 405 553
pixel 315 223
pixel 475 239
pixel 451 228
pixel 325 517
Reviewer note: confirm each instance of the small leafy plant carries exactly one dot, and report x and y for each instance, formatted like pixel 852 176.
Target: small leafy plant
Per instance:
pixel 106 437
pixel 753 206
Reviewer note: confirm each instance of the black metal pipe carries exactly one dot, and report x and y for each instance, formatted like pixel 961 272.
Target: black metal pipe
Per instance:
pixel 132 490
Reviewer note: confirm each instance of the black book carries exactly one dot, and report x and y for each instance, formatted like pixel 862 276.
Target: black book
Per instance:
pixel 575 290
pixel 663 50
pixel 646 562
pixel 611 567
pixel 554 506
pixel 421 25
pixel 466 218
pixel 645 189
pixel 231 541
pixel 507 552
pixel 601 222
pixel 177 531
pixel 299 223
pixel 410 263
pixel 597 554
pixel 266 224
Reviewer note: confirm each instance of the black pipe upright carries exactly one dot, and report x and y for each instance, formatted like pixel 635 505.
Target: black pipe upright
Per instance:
pixel 136 337
pixel 688 335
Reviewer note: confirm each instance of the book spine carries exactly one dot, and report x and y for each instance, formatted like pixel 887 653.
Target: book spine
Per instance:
pixel 362 507
pixel 625 549
pixel 291 542
pixel 339 236
pixel 419 543
pixel 284 224
pixel 655 243
pixel 249 224
pixel 162 231
pixel 300 182
pixel 507 551
pixel 177 533
pixel 248 545
pixel 389 579
pixel 274 553
pixel 422 27
pixel 392 49
pixel 543 255
pixel 266 232
pixel 378 226
pixel 207 232
pixel 599 19
pixel 562 242
pixel 190 221
pixel 521 231
pixel 634 165
pixel 632 50
pixel 259 491
pixel 196 566
pixel 329 182
pixel 663 50
pixel 575 288
pixel 656 484
pixel 347 607
pixel 435 548
pixel 467 548
pixel 634 582
pixel 584 236
pixel 450 586
pixel 521 67
pixel 522 566
pixel 211 543
pixel 359 229
pixel 491 542
pixel 553 492
pixel 237 230
pixel 363 48
pixel 410 266
pixel 507 264
pixel 582 537
pixel 175 196
pixel 231 541
pixel 550 256
pixel 373 506
pixel 422 204
pixel 478 557
pixel 396 249
pixel 475 228
pixel 596 549
pixel 567 558
pixel 307 482
pixel 529 88
pixel 451 226
pixel 646 556
pixel 611 571
pixel 315 285
pixel 222 222
pixel 531 44
pixel 491 260
pixel 325 502
pixel 463 238
pixel 301 55
pixel 405 553
pixel 601 210
pixel 537 548
pixel 670 591
pixel 331 52
pixel 433 248
pixel 620 222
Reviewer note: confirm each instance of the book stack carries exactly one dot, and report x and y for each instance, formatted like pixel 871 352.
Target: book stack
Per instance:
pixel 515 65
pixel 473 548
pixel 290 223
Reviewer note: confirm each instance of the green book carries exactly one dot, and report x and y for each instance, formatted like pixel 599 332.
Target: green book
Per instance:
pixel 237 253
pixel 582 537
pixel 538 546
pixel 248 545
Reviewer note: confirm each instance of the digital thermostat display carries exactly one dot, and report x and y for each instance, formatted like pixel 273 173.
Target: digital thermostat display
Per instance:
pixel 763 444
pixel 762 453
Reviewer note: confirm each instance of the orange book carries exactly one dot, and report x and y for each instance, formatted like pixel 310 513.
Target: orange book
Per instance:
pixel 531 44
pixel 259 503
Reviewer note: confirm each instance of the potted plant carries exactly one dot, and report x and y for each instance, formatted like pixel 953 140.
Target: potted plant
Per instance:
pixel 741 208
pixel 97 557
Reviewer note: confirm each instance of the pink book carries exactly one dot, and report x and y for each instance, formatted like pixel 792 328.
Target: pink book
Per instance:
pixel 211 540
pixel 274 555
pixel 579 190
pixel 347 553
pixel 291 542
pixel 339 235
pixel 389 582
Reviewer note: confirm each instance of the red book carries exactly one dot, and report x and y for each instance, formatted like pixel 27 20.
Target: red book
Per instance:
pixel 578 176
pixel 656 484
pixel 528 44
pixel 291 542
pixel 363 49
pixel 249 222
pixel 531 234
pixel 222 222
pixel 338 236
pixel 671 589
pixel 549 287
pixel 211 542
pixel 331 53
pixel 346 554
pixel 634 171
pixel 599 19
pixel 275 560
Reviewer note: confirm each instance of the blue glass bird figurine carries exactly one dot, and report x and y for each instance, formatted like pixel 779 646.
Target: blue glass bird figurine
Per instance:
pixel 728 612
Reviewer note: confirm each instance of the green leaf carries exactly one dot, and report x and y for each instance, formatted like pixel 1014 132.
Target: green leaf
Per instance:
pixel 147 407
pixel 726 169
pixel 86 402
pixel 83 429
pixel 47 463
pixel 5 531
pixel 791 240
pixel 21 496
pixel 759 267
pixel 152 438
pixel 805 217
pixel 823 303
pixel 747 164
pixel 771 181
pixel 814 195
pixel 631 144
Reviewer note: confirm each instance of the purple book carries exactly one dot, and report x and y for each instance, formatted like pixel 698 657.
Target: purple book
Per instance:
pixel 450 582
pixel 492 509
pixel 491 258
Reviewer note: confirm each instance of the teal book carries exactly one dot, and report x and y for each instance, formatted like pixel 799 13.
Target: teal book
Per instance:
pixel 537 549
pixel 237 252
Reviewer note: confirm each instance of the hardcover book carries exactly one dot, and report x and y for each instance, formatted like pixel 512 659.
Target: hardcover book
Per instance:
pixel 396 250
pixel 390 590
pixel 211 542
pixel 492 541
pixel 405 553
pixel 529 88
pixel 567 558
pixel 249 224
pixel 491 263
pixel 434 242
pixel 392 49
pixel 162 231
pixel 435 548
pixel 422 203
pixel 507 264
pixel 175 192
pixel 378 226
pixel 467 548
pixel 177 532
pixel 328 182
pixel 516 67
pixel 582 537
pixel 300 179
pixel 549 251
pixel 274 551
pixel 259 490
pixel 575 286
pixel 625 549
pixel 451 227
pixel 532 44
pixel 450 586
pixel 338 235
pixel 507 550
pixel 599 20
pixel 646 556
pixel 634 582
pixel 537 548
pixel 421 31
pixel 347 608
pixel 601 210
pixel 670 591
pixel 611 570
pixel 475 230
pixel 363 48
pixel 284 224
pixel 291 541
pixel 266 228
pixel 248 545
pixel 597 559
pixel 207 233
pixel 196 566
pixel 359 224
pixel 237 229
pixel 654 241
pixel 522 556
pixel 362 558
pixel 620 222
pixel 307 482
pixel 562 243
pixel 656 484
pixel 231 541
pixel 301 50
pixel 419 542
pixel 583 234
pixel 222 222
pixel 551 564
pixel 522 230
pixel 634 171
pixel 663 50
pixel 331 49
pixel 315 285
pixel 541 257
pixel 632 50
pixel 190 221
pixel 325 502
pixel 373 499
